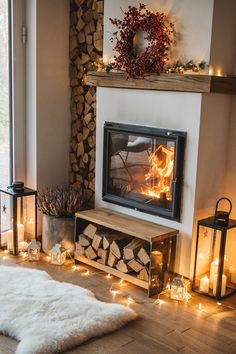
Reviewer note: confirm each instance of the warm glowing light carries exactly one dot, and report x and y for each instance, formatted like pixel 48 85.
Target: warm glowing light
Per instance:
pixel 4 257
pixel 160 174
pixel 48 258
pixel 108 276
pixel 87 273
pixel 158 302
pixel 219 303
pixel 121 281
pixel 130 299
pixel 74 267
pixel 219 73
pixel 6 251
pixel 210 72
pixel 200 307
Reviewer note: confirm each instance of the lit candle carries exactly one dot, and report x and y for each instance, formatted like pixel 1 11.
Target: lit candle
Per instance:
pixel 232 271
pixel 20 232
pixel 10 240
pixel 213 271
pixel 204 284
pixel 223 286
pixel 23 246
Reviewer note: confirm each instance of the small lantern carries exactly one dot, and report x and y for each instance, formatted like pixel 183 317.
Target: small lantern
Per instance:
pixel 178 289
pixel 215 257
pixel 18 217
pixel 58 254
pixel 34 251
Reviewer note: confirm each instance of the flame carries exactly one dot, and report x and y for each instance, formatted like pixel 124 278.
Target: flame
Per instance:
pixel 160 174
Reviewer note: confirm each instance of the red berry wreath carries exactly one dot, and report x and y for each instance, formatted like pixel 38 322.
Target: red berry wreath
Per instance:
pixel 159 33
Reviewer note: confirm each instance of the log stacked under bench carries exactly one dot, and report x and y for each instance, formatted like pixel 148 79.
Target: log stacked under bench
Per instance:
pixel 129 248
pixel 115 249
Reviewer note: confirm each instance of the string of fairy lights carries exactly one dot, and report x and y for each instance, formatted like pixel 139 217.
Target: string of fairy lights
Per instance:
pixel 117 289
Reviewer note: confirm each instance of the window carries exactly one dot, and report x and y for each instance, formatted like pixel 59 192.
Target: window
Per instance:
pixel 5 95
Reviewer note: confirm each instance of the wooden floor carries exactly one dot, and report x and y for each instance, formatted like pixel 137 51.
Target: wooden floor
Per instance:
pixel 169 327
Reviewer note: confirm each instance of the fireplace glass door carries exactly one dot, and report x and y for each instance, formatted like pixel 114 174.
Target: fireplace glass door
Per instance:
pixel 143 168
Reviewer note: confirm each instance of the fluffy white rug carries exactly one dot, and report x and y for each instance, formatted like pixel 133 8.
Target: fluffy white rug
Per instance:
pixel 47 316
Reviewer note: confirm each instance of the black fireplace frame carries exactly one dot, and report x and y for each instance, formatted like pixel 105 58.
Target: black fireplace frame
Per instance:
pixel 179 139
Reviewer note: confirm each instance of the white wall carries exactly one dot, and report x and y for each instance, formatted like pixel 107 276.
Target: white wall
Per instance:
pixel 48 92
pixel 207 30
pixel 53 92
pixel 172 110
pixel 193 19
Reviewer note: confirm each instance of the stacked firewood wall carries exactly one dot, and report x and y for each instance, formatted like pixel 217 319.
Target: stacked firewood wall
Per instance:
pixel 86 44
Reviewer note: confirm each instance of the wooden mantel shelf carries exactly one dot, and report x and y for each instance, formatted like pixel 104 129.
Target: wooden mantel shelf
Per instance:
pixel 165 82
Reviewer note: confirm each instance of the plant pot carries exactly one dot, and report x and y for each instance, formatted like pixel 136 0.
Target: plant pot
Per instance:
pixel 57 230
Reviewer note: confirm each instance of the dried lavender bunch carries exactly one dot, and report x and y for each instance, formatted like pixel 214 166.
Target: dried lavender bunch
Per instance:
pixel 61 201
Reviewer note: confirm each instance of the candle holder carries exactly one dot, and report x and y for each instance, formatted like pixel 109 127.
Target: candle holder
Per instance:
pixel 34 251
pixel 215 257
pixel 18 217
pixel 58 254
pixel 179 288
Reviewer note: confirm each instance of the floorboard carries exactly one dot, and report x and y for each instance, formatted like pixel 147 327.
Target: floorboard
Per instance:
pixel 169 327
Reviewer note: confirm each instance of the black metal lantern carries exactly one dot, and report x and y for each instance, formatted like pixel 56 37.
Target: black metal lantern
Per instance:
pixel 18 217
pixel 215 257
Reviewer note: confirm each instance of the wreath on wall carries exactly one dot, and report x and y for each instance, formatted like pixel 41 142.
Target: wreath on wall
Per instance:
pixel 159 34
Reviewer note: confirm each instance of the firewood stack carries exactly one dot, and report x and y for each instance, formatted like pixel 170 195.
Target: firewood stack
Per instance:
pixel 86 45
pixel 115 249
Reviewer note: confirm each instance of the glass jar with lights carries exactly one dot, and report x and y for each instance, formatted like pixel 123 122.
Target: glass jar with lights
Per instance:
pixel 179 288
pixel 34 251
pixel 215 257
pixel 18 217
pixel 58 254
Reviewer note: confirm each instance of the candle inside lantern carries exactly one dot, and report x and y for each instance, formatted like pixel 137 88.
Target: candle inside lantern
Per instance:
pixel 232 271
pixel 204 284
pixel 223 286
pixel 10 240
pixel 20 232
pixel 213 271
pixel 23 246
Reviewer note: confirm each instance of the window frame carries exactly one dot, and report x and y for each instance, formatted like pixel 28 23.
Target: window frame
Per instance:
pixel 18 90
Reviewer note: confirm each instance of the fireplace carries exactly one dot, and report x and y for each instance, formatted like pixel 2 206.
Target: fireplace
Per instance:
pixel 143 168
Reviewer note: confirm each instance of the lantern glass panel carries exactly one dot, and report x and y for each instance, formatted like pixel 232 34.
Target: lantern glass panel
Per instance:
pixel 230 259
pixel 178 292
pixel 208 262
pixel 6 222
pixel 33 254
pixel 18 218
pixel 58 259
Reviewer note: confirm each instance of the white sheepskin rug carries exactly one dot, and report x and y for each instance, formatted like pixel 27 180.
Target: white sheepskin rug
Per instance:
pixel 47 316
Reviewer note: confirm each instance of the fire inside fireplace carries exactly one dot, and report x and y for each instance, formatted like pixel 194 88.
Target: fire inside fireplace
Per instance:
pixel 143 168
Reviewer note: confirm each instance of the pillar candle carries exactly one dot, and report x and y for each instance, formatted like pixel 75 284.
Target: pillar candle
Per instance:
pixel 213 271
pixel 232 274
pixel 223 286
pixel 204 284
pixel 10 240
pixel 21 232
